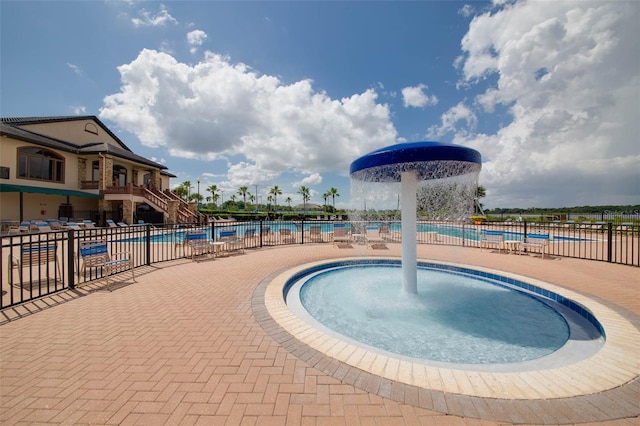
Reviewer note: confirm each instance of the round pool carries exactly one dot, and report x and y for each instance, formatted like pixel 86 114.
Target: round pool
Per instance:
pixel 459 316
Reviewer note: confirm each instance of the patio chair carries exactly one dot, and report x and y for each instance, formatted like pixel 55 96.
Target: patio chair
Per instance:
pixel 89 224
pixel 373 238
pixel 232 242
pixel 287 237
pixel 54 224
pixel 341 235
pixel 492 239
pixel 201 245
pixel 42 226
pixel 95 254
pixel 35 254
pixel 111 223
pixel 537 242
pixel 315 234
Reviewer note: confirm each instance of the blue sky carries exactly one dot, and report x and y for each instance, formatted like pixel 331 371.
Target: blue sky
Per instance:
pixel 290 93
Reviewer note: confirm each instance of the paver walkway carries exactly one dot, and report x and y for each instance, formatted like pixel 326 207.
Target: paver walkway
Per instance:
pixel 182 346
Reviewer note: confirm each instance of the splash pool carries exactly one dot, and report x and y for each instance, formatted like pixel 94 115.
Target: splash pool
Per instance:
pixel 459 316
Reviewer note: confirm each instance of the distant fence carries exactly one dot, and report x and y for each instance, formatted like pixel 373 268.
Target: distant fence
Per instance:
pixel 56 264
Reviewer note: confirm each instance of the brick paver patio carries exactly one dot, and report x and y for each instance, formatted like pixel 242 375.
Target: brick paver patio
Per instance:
pixel 183 346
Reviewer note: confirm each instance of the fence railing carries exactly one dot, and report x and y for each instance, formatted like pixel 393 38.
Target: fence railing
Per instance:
pixel 40 264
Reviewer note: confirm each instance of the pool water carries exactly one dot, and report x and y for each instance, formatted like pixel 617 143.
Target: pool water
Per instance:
pixel 455 317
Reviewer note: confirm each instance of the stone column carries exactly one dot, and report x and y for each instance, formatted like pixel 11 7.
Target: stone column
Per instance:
pixel 106 172
pixel 128 207
pixel 172 210
pixel 82 171
pixel 154 182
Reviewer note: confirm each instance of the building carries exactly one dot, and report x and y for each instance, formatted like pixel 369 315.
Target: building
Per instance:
pixel 76 168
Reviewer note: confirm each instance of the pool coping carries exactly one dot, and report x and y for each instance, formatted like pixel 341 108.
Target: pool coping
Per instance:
pixel 609 380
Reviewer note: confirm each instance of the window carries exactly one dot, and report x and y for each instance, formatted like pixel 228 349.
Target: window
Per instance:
pixel 119 176
pixel 40 164
pixel 95 171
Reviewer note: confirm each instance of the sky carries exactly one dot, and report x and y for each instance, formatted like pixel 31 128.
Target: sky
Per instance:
pixel 277 93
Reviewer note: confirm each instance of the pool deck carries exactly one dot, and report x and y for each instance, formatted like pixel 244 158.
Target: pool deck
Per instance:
pixel 194 343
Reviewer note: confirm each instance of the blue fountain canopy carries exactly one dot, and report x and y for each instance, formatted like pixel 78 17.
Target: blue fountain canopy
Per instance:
pixel 430 160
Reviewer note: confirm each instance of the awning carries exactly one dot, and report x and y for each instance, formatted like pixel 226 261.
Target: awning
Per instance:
pixel 4 187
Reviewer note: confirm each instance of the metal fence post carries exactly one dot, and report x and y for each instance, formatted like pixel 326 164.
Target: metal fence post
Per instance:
pixel 302 230
pixel 609 242
pixel 148 234
pixel 260 229
pixel 71 275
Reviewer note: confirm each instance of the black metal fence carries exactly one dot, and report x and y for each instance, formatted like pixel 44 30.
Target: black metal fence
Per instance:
pixel 38 264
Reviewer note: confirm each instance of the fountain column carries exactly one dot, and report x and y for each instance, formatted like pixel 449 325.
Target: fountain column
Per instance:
pixel 408 185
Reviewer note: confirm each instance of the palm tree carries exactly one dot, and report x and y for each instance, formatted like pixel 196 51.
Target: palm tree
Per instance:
pixel 334 194
pixel 275 191
pixel 188 186
pixel 304 191
pixel 181 191
pixel 288 201
pixel 243 191
pixel 213 189
pixel 325 196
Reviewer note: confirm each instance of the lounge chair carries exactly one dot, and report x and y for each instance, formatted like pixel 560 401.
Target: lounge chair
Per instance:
pixel 33 254
pixel 266 235
pixel 373 238
pixel 89 224
pixel 122 224
pixel 95 254
pixel 74 226
pixel 111 223
pixel 315 233
pixel 249 234
pixel 341 235
pixel 624 227
pixel 287 237
pixel 41 226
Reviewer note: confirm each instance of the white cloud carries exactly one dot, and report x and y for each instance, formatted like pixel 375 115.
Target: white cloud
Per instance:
pixel 216 108
pixel 568 74
pixel 416 97
pixel 466 10
pixel 195 39
pixel 148 19
pixel 76 69
pixel 450 120
pixel 79 110
pixel 311 180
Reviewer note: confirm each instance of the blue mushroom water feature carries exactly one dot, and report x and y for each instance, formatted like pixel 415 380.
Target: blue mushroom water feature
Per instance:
pixel 409 163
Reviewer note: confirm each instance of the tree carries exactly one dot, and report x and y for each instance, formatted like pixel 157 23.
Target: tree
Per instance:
pixel 304 191
pixel 325 196
pixel 288 201
pixel 275 191
pixel 213 189
pixel 181 191
pixel 188 186
pixel 481 192
pixel 334 194
pixel 243 191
